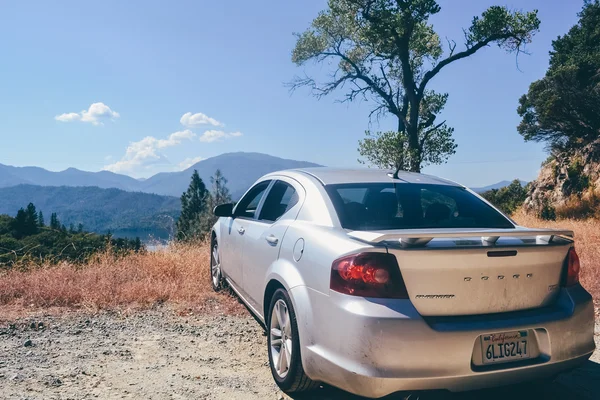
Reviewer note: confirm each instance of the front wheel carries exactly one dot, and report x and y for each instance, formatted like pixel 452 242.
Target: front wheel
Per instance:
pixel 284 346
pixel 216 278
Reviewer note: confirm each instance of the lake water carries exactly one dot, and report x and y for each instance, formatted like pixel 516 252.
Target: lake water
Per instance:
pixel 147 236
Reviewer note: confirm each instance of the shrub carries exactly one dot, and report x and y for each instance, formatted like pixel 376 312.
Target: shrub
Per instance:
pixel 580 207
pixel 509 198
pixel 577 182
pixel 547 213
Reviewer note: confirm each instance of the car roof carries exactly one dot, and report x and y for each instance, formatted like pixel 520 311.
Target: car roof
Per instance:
pixel 331 176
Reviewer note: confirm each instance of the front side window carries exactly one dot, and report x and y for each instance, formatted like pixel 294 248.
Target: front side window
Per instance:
pixel 281 198
pixel 247 206
pixel 381 206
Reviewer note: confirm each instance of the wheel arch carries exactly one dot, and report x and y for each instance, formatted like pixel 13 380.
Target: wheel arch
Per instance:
pixel 270 290
pixel 214 232
pixel 283 274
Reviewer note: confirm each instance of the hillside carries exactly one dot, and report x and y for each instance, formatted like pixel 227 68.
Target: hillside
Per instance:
pixel 241 170
pixel 568 185
pixel 99 210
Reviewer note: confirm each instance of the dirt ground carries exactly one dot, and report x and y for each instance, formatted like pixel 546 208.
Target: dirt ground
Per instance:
pixel 158 354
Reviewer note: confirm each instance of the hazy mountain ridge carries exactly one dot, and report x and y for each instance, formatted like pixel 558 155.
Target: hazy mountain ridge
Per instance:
pixel 241 170
pixel 11 176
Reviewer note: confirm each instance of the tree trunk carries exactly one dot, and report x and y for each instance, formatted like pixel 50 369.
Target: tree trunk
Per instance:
pixel 413 146
pixel 413 135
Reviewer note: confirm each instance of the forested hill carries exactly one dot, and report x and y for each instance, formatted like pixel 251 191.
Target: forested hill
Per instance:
pixel 99 210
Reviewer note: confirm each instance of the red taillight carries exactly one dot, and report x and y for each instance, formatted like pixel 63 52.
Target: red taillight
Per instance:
pixel 368 275
pixel 572 276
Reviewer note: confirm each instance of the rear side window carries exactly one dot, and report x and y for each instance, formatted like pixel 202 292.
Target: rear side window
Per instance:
pixel 384 206
pixel 247 206
pixel 281 198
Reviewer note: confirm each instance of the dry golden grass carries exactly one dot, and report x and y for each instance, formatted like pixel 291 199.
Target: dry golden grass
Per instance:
pixel 587 244
pixel 178 274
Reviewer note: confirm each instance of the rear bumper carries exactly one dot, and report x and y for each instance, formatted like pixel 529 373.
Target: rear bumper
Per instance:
pixel 374 347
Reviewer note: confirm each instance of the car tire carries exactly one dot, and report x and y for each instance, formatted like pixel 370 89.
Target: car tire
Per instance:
pixel 282 336
pixel 216 277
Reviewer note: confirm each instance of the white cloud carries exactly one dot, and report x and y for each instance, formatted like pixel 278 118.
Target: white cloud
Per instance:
pixel 193 120
pixel 144 153
pixel 213 136
pixel 95 114
pixel 188 162
pixel 68 117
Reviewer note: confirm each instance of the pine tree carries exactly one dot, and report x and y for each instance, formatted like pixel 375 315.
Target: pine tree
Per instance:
pixel 54 222
pixel 218 195
pixel 41 221
pixel 194 202
pixel 220 192
pixel 19 223
pixel 25 223
pixel 31 220
pixel 79 228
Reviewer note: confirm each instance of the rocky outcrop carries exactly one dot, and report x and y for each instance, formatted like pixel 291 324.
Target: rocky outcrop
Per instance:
pixel 564 180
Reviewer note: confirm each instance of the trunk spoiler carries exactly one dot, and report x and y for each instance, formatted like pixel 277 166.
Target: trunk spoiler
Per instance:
pixel 488 237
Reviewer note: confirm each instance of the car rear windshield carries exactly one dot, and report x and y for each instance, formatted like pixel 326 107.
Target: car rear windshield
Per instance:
pixel 381 206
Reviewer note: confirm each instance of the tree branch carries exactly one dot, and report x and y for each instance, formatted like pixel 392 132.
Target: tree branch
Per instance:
pixel 428 133
pixel 455 57
pixel 451 46
pixel 360 75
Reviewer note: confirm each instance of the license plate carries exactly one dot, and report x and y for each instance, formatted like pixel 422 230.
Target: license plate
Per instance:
pixel 505 346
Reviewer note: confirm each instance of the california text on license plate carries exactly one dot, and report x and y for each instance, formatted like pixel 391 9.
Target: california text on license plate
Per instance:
pixel 505 346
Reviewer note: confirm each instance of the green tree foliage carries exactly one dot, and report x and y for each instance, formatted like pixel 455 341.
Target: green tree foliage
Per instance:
pixel 219 194
pixel 54 222
pixel 194 202
pixel 41 221
pixel 389 150
pixel 387 51
pixel 563 108
pixel 26 222
pixel 23 241
pixel 509 198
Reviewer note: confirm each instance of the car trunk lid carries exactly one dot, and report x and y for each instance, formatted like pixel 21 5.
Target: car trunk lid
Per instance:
pixel 469 272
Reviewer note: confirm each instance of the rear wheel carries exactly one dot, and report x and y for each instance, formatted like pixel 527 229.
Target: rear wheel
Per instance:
pixel 216 278
pixel 284 346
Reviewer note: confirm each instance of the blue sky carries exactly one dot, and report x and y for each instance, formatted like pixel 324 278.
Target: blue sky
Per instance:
pixel 106 85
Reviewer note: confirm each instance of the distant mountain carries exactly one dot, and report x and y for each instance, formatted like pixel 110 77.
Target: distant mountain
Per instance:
pixel 240 169
pixel 498 185
pixel 99 210
pixel 10 176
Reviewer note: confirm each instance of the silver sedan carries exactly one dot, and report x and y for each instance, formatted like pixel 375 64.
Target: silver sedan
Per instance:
pixel 376 284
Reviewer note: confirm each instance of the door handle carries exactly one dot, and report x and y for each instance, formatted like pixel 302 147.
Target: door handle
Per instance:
pixel 241 230
pixel 272 240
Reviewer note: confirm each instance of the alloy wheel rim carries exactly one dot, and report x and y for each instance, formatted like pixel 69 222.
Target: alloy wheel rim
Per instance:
pixel 215 267
pixel 281 338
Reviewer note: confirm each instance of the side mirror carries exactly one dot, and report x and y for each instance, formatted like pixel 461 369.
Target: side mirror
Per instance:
pixel 224 210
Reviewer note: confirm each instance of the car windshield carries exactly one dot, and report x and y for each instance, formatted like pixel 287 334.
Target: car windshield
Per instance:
pixel 381 206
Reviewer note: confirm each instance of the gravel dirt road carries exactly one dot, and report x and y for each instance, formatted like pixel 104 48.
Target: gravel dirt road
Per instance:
pixel 158 354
